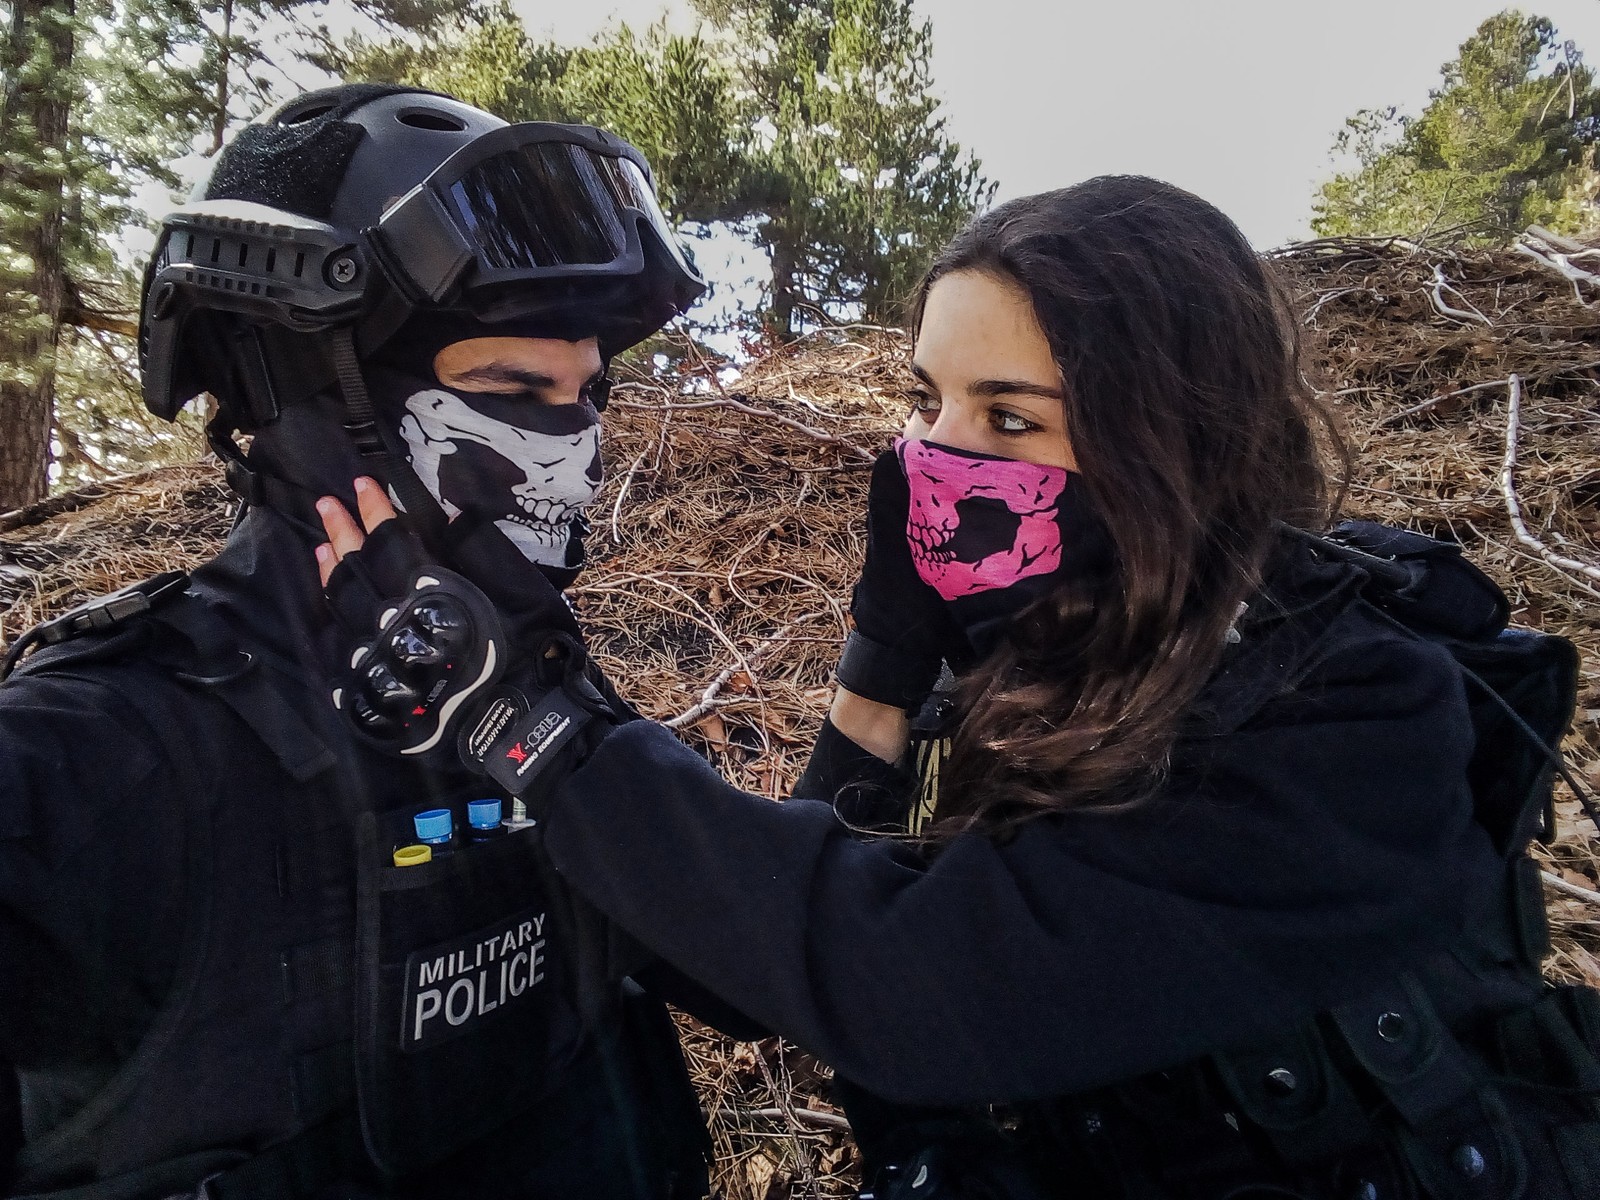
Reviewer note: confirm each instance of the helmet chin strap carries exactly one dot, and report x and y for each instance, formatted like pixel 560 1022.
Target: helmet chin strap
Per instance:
pixel 423 513
pixel 260 487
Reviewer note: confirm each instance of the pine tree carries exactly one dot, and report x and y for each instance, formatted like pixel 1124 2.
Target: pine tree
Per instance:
pixel 98 97
pixel 1507 140
pixel 35 165
pixel 807 125
pixel 857 177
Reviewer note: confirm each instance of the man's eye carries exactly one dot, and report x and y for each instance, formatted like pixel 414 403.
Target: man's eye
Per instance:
pixel 1005 421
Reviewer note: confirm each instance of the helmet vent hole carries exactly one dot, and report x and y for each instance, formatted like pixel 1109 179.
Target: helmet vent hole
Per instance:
pixel 216 249
pixel 305 114
pixel 272 258
pixel 299 264
pixel 422 118
pixel 244 252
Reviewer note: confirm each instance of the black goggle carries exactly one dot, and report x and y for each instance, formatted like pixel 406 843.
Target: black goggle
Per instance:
pixel 526 203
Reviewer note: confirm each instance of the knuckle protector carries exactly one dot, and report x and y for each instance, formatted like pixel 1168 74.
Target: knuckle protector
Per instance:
pixel 435 654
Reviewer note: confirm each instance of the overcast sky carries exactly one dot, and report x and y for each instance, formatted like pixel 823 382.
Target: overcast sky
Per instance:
pixel 1237 100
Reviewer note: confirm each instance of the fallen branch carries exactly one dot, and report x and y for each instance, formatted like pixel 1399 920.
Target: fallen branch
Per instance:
pixel 1545 249
pixel 54 506
pixel 1426 405
pixel 1564 244
pixel 805 1116
pixel 1508 489
pixel 1570 889
pixel 1436 293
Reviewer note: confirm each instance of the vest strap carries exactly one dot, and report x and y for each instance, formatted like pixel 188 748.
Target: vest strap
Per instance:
pixel 298 1169
pixel 1400 1042
pixel 234 675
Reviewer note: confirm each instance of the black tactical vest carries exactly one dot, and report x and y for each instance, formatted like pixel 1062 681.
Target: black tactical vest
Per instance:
pixel 336 1018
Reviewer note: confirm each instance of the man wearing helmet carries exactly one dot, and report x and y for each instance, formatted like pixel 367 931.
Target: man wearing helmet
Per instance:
pixel 220 974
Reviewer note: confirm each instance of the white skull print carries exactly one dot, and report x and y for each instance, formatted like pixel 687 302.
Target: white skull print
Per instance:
pixel 532 484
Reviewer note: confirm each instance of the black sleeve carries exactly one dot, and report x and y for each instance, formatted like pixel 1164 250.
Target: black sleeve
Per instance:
pixel 671 985
pixel 89 829
pixel 1319 849
pixel 837 765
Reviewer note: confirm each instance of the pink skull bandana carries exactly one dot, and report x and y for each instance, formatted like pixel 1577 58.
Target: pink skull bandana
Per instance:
pixel 978 523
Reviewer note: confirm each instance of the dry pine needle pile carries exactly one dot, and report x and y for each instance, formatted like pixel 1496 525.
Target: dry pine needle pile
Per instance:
pixel 730 531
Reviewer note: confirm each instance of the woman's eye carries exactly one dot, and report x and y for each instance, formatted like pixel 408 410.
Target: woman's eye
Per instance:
pixel 925 404
pixel 1005 421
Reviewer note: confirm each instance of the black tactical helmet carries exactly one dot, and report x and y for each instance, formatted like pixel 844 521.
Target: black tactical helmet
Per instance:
pixel 355 208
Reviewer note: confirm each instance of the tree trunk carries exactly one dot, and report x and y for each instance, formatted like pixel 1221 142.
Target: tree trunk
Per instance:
pixel 36 108
pixel 783 298
pixel 219 119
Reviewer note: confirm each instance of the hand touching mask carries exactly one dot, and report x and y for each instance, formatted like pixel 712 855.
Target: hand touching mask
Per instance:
pixel 991 535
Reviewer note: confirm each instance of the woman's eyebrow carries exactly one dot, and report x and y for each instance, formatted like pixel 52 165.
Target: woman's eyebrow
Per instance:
pixel 1000 387
pixel 1015 387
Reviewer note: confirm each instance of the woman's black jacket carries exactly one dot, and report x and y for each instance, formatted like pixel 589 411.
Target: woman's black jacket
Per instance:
pixel 1315 838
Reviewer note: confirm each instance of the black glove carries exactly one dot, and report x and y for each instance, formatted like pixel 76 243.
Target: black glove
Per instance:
pixel 439 668
pixel 903 631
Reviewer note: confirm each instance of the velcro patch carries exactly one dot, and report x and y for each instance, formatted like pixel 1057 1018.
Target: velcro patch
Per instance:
pixel 453 986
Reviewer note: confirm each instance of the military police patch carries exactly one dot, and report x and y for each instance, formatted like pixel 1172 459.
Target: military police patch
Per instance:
pixel 453 986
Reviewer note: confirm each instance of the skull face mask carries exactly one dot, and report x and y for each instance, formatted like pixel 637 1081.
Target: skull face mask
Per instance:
pixel 979 524
pixel 992 535
pixel 529 468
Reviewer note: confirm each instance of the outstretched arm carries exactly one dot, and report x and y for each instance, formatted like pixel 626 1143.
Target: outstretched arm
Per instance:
pixel 1092 947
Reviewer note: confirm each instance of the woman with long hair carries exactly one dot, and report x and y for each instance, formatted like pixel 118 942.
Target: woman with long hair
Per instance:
pixel 1185 882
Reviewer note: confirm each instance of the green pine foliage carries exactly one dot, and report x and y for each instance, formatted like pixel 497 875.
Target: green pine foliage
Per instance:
pixel 97 98
pixel 810 126
pixel 1507 140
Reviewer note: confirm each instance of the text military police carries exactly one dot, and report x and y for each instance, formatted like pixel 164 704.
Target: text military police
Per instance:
pixel 216 977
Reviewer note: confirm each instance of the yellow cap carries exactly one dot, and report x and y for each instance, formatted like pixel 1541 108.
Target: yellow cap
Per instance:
pixel 413 856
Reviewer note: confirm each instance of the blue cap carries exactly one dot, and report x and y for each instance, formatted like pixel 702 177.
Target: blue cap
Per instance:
pixel 483 814
pixel 433 826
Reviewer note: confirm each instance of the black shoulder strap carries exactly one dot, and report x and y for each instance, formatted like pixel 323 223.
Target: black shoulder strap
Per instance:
pixel 101 615
pixel 1426 583
pixel 1525 683
pixel 236 674
pixel 200 649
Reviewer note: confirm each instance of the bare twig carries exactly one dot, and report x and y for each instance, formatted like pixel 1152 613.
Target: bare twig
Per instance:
pixel 802 1159
pixel 622 494
pixel 1426 405
pixel 1570 889
pixel 708 701
pixel 1508 489
pixel 1310 319
pixel 1436 293
pixel 805 1116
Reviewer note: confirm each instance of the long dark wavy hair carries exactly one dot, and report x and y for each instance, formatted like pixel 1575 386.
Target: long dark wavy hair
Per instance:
pixel 1195 431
